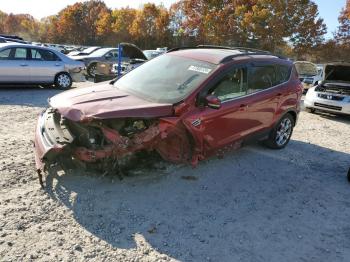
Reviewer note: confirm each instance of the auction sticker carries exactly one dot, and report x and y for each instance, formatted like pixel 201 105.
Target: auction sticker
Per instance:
pixel 199 69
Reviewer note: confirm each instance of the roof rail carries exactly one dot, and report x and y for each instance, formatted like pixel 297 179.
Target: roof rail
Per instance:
pixel 239 48
pixel 243 50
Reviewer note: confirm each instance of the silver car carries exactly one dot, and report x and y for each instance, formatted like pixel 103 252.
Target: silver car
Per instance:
pixel 333 93
pixel 30 64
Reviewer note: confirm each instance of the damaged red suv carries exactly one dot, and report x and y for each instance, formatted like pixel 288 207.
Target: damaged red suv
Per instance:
pixel 187 105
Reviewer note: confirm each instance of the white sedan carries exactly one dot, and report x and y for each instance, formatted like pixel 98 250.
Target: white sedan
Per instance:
pixel 333 93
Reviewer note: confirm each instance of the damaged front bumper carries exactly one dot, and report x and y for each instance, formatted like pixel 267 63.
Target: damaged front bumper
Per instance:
pixel 56 138
pixel 51 139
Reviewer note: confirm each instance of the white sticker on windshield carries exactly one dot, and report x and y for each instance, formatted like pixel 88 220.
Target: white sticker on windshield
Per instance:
pixel 199 69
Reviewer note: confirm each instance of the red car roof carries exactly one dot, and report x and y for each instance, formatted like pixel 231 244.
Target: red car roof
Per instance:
pixel 214 55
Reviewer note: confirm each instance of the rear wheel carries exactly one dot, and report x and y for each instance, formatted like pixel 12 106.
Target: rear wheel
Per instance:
pixel 63 81
pixel 281 134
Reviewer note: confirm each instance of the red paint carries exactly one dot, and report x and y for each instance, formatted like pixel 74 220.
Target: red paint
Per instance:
pixel 185 132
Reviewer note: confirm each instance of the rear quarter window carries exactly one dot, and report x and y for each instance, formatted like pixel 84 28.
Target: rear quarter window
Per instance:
pixel 283 73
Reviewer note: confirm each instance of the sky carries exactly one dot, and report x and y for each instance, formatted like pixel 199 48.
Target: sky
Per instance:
pixel 329 9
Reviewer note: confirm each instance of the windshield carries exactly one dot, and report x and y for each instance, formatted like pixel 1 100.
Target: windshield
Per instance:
pixel 150 54
pixel 89 50
pixel 166 79
pixel 100 52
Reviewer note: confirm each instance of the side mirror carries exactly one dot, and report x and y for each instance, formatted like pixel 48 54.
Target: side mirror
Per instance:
pixel 213 101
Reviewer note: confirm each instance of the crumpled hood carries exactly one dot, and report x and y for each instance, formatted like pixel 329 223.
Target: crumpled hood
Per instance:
pixel 104 101
pixel 306 68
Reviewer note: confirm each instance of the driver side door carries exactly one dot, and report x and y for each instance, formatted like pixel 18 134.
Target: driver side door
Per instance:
pixel 218 128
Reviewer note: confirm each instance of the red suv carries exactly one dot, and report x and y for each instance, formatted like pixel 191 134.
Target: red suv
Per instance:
pixel 187 105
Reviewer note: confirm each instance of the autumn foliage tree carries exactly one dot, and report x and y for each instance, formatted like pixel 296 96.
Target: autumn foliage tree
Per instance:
pixel 291 27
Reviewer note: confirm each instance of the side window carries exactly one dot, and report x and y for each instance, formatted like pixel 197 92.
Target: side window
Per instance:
pixel 113 54
pixel 20 53
pixel 260 78
pixel 232 85
pixel 35 54
pixel 282 74
pixel 44 55
pixel 5 54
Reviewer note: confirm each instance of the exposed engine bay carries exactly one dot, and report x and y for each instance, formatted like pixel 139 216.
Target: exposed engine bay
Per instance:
pixel 340 89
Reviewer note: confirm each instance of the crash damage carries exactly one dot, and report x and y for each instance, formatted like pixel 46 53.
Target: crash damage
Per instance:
pixel 106 138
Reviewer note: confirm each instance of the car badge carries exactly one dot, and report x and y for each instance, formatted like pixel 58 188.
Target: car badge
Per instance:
pixel 196 122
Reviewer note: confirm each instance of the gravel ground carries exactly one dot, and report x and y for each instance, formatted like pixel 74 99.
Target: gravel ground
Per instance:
pixel 256 204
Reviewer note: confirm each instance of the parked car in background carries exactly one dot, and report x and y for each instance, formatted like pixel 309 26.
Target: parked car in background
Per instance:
pixel 309 73
pixel 333 93
pixel 132 57
pixel 84 52
pixel 186 105
pixel 30 64
pixel 150 54
pixel 100 55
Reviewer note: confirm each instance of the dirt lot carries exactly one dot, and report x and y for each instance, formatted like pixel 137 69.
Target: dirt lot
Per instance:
pixel 255 204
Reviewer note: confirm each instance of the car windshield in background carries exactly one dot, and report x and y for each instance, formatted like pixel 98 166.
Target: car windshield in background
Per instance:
pixel 89 50
pixel 100 52
pixel 166 79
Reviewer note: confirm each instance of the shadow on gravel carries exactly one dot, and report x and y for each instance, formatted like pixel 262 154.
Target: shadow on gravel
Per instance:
pixel 345 119
pixel 255 204
pixel 34 96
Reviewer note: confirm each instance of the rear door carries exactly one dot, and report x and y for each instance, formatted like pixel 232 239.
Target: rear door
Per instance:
pixel 14 67
pixel 264 91
pixel 44 65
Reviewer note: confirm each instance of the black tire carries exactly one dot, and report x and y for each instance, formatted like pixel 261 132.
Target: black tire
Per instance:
pixel 63 81
pixel 310 110
pixel 349 175
pixel 281 133
pixel 91 70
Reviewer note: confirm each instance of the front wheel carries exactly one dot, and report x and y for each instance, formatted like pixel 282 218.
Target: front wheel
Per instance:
pixel 281 134
pixel 63 81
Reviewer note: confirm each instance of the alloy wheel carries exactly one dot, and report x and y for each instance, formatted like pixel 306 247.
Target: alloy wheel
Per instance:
pixel 284 132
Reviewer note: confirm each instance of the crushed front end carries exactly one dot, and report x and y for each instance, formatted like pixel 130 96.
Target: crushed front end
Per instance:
pixel 106 143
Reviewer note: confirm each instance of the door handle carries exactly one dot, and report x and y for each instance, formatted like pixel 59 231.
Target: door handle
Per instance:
pixel 57 64
pixel 24 64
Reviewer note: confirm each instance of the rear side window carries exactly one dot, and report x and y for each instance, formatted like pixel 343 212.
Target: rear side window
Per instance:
pixel 5 54
pixel 282 74
pixel 44 55
pixel 260 78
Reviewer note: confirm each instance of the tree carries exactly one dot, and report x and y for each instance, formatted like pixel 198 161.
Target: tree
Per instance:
pixel 151 26
pixel 122 22
pixel 343 34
